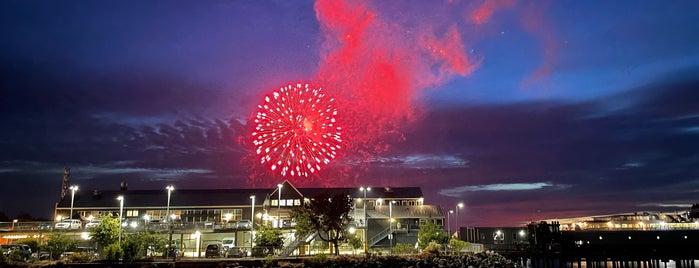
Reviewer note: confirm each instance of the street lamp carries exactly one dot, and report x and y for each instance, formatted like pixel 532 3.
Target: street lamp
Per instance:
pixel 458 206
pixel 390 227
pixel 13 224
pixel 121 213
pixel 449 221
pixel 72 198
pixel 252 220
pixel 279 205
pixel 366 222
pixel 169 189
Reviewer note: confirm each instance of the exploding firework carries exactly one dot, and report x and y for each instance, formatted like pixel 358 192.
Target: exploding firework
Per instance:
pixel 296 132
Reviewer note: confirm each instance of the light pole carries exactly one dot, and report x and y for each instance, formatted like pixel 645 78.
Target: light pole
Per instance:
pixel 449 221
pixel 279 205
pixel 252 221
pixel 121 213
pixel 366 222
pixel 72 198
pixel 13 224
pixel 390 227
pixel 169 189
pixel 458 206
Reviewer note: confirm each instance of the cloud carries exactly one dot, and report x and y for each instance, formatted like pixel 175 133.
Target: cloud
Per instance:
pixel 459 191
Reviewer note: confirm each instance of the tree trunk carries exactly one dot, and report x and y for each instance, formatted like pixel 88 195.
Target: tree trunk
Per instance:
pixel 337 248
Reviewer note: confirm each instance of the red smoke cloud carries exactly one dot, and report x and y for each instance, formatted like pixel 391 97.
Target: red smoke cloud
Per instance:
pixel 483 12
pixel 377 69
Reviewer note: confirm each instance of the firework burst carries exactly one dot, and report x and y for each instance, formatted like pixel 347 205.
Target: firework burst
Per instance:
pixel 296 131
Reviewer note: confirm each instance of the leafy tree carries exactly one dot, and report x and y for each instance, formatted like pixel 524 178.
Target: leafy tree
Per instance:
pixel 354 242
pixel 135 246
pixel 457 245
pixel 269 238
pixel 327 214
pixel 107 232
pixel 430 232
pixel 59 243
pixel 113 252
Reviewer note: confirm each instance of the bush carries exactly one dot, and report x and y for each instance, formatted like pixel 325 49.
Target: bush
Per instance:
pixel 113 252
pixel 404 249
pixel 18 256
pixel 432 248
pixel 80 257
pixel 457 245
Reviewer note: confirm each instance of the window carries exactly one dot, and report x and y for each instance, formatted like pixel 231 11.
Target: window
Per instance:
pixel 297 202
pixel 132 213
pixel 289 202
pixel 274 202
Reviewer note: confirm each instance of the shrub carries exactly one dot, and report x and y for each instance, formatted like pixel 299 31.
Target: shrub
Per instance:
pixel 457 245
pixel 433 248
pixel 80 257
pixel 404 249
pixel 113 252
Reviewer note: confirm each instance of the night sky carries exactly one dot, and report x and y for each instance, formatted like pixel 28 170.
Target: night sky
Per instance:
pixel 523 110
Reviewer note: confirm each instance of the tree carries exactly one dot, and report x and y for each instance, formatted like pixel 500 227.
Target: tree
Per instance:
pixel 326 214
pixel 107 232
pixel 33 243
pixel 59 243
pixel 430 232
pixel 355 242
pixel 457 245
pixel 135 246
pixel 269 238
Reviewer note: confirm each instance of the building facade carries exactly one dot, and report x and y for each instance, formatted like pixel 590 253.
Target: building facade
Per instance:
pixel 196 217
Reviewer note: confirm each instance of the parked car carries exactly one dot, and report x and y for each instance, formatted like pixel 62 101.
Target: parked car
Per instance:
pixel 228 242
pixel 92 224
pixel 24 251
pixel 90 251
pixel 45 227
pixel 235 252
pixel 69 225
pixel 172 251
pixel 214 251
pixel 244 224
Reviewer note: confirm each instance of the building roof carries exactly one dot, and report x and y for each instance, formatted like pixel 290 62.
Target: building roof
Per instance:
pixel 158 198
pixel 215 197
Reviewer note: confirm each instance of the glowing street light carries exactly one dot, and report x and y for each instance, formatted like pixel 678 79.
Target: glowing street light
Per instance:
pixel 252 219
pixel 279 205
pixel 390 227
pixel 449 221
pixel 365 223
pixel 169 189
pixel 72 198
pixel 458 206
pixel 121 213
pixel 13 224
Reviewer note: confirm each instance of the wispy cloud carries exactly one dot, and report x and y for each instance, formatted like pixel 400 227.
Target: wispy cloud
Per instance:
pixel 458 191
pixel 423 161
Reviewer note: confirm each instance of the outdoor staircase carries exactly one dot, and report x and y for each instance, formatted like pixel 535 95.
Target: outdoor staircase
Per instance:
pixel 378 237
pixel 286 251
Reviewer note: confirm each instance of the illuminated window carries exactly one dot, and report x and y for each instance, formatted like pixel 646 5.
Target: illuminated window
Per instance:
pixel 297 202
pixel 275 202
pixel 132 213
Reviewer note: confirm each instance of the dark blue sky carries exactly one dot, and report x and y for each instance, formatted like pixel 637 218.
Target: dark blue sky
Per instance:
pixel 562 108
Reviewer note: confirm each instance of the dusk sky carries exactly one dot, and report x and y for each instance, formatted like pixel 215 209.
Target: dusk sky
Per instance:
pixel 522 110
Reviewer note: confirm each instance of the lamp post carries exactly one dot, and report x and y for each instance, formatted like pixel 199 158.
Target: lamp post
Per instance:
pixel 366 222
pixel 13 224
pixel 279 205
pixel 252 221
pixel 449 221
pixel 72 198
pixel 390 227
pixel 458 206
pixel 169 189
pixel 121 213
